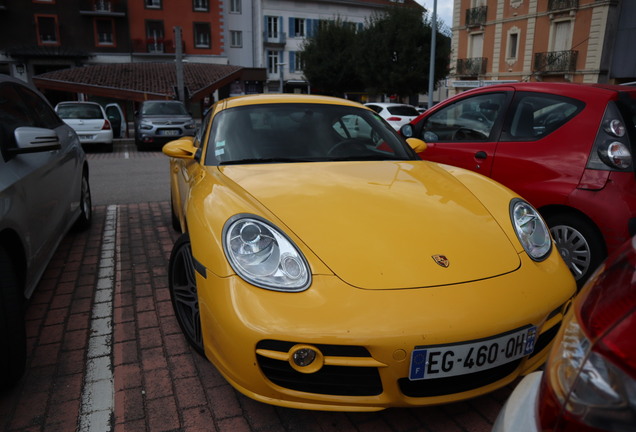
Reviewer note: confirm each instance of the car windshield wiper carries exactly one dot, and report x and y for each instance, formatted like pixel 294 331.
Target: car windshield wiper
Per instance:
pixel 369 158
pixel 269 160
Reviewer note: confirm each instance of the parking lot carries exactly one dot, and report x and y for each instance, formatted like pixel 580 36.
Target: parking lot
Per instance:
pixel 106 353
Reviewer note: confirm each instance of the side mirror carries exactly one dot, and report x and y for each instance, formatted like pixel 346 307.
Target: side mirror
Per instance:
pixel 406 131
pixel 34 140
pixel 416 144
pixel 182 148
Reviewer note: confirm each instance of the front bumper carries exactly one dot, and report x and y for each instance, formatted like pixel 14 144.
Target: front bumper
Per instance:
pixel 366 337
pixel 519 413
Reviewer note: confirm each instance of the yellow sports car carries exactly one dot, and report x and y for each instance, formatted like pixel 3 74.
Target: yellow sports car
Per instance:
pixel 323 265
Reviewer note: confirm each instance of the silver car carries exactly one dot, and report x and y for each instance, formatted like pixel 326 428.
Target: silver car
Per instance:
pixel 160 121
pixel 44 191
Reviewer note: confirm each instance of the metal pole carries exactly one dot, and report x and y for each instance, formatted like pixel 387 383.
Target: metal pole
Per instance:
pixel 431 69
pixel 179 64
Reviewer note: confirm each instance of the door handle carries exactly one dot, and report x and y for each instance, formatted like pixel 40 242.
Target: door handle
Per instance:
pixel 481 155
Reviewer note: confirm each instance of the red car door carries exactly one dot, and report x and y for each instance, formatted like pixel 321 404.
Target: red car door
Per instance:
pixel 464 131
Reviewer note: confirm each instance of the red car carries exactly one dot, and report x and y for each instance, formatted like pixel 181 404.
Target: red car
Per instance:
pixel 566 148
pixel 589 381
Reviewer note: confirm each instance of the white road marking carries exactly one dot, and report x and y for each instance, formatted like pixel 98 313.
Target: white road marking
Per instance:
pixel 98 393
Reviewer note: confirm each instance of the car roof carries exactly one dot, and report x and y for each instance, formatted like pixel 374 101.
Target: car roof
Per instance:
pixel 556 87
pixel 279 98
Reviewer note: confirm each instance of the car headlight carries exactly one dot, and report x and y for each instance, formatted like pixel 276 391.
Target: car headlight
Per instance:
pixel 264 256
pixel 532 231
pixel 191 125
pixel 145 126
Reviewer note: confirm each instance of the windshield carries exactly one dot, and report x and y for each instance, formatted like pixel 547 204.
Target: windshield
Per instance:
pixel 80 111
pixel 299 132
pixel 163 108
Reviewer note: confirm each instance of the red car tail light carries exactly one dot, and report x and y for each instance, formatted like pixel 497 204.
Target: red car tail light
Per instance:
pixel 106 125
pixel 611 148
pixel 394 118
pixel 590 378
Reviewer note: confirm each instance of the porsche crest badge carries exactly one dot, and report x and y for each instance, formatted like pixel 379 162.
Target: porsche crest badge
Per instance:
pixel 441 260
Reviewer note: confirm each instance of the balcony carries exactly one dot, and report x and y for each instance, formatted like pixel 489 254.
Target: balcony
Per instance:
pixel 555 62
pixel 476 16
pixel 471 67
pixel 109 8
pixel 274 39
pixel 562 5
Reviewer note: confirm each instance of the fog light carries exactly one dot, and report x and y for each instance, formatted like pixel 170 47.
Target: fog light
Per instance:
pixel 306 358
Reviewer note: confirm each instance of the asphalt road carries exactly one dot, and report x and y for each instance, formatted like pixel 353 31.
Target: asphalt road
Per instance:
pixel 130 177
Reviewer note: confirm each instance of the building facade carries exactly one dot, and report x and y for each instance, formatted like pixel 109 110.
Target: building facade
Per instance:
pixel 540 40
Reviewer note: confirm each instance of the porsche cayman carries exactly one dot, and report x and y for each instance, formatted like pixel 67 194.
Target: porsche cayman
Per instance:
pixel 324 265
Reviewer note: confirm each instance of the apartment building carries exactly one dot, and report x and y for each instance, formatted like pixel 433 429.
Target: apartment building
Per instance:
pixel 270 33
pixel 581 41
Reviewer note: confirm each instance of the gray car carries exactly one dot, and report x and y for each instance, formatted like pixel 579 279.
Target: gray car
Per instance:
pixel 160 121
pixel 44 191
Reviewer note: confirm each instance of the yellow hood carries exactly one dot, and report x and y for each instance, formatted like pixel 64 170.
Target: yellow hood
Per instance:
pixel 379 225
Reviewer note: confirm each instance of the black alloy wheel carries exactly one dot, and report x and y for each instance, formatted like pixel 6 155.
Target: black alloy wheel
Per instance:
pixel 12 329
pixel 183 292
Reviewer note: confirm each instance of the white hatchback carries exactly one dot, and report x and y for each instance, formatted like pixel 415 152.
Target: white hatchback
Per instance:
pixel 90 122
pixel 394 113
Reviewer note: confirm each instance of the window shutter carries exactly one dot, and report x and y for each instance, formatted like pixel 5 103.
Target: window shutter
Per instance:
pixel 292 62
pixel 292 27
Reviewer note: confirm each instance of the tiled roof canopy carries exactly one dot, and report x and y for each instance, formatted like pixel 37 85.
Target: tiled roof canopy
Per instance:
pixel 140 81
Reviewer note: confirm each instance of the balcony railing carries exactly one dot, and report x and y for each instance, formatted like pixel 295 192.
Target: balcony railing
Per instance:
pixel 102 7
pixel 471 67
pixel 559 5
pixel 555 61
pixel 476 16
pixel 274 38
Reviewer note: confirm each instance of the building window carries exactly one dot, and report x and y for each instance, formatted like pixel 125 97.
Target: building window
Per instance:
pixel 153 4
pixel 202 35
pixel 47 30
pixel 154 36
pixel 104 32
pixel 273 60
pixel 296 63
pixel 235 6
pixel 476 45
pixel 513 45
pixel 236 39
pixel 201 5
pixel 272 27
pixel 562 36
pixel 300 27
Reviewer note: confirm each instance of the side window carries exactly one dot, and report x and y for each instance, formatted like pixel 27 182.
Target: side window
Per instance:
pixel 535 115
pixel 470 119
pixel 43 114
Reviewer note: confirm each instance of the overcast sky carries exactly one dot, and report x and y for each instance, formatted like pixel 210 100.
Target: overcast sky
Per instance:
pixel 444 10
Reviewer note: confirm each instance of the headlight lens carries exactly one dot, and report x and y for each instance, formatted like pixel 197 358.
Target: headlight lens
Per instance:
pixel 531 230
pixel 264 256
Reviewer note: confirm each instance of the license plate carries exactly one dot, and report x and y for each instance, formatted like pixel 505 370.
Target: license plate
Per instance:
pixel 170 132
pixel 86 137
pixel 441 361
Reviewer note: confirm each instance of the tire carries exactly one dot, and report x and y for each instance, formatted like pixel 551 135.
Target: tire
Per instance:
pixel 183 292
pixel 86 205
pixel 12 328
pixel 176 225
pixel 579 242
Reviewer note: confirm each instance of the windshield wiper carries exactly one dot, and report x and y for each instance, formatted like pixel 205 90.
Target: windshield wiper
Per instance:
pixel 268 160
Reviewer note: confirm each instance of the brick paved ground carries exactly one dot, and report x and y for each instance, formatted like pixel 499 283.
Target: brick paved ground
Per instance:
pixel 160 384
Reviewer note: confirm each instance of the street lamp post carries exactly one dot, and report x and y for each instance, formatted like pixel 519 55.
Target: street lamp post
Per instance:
pixel 431 68
pixel 280 74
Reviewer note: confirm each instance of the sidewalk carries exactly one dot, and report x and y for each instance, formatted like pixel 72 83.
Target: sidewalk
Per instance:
pixel 106 353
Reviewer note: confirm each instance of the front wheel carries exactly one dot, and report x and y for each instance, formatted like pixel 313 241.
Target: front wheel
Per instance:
pixel 183 292
pixel 86 204
pixel 580 244
pixel 12 330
